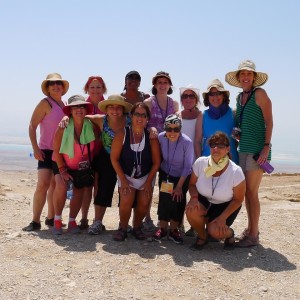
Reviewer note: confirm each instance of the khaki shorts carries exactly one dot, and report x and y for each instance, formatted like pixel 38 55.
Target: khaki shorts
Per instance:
pixel 247 163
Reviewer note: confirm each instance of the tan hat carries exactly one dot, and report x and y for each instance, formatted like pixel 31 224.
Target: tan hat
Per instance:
pixel 162 74
pixel 115 99
pixel 78 100
pixel 54 77
pixel 216 83
pixel 261 78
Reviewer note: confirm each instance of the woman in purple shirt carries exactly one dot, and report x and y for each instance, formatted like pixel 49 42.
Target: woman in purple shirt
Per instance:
pixel 177 159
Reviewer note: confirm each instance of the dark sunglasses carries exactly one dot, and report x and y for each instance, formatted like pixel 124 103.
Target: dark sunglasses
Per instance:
pixel 169 129
pixel 133 77
pixel 185 96
pixel 218 145
pixel 57 82
pixel 214 93
pixel 138 115
pixel 80 106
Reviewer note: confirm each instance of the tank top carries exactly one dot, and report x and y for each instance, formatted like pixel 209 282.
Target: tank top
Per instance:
pixel 252 125
pixel 49 124
pixel 96 110
pixel 80 154
pixel 142 156
pixel 224 124
pixel 108 134
pixel 159 115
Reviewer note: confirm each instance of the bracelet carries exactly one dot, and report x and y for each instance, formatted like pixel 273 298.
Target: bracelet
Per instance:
pixel 63 172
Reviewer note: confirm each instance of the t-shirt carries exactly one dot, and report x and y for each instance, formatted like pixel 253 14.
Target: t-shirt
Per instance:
pixel 217 189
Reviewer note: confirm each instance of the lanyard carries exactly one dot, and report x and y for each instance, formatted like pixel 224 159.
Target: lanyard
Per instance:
pixel 160 109
pixel 80 145
pixel 213 188
pixel 55 102
pixel 137 161
pixel 170 165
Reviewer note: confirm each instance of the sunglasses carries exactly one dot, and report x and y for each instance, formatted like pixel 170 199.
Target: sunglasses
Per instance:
pixel 214 93
pixel 218 145
pixel 185 96
pixel 138 115
pixel 57 82
pixel 80 106
pixel 169 129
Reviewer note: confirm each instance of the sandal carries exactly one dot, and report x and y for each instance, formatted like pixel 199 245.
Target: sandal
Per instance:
pixel 138 233
pixel 120 235
pixel 197 246
pixel 229 243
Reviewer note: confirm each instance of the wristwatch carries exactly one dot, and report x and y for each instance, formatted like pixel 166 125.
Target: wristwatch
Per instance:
pixel 268 145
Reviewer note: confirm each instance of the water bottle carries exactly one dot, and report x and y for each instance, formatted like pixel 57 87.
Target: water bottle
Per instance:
pixel 265 166
pixel 70 190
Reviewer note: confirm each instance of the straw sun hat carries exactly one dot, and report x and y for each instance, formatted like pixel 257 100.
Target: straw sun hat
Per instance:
pixel 54 77
pixel 115 99
pixel 216 83
pixel 261 78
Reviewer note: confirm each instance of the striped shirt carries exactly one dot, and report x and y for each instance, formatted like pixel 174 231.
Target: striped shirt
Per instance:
pixel 252 125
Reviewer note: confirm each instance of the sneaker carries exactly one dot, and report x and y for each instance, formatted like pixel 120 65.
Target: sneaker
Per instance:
pixel 181 229
pixel 33 226
pixel 84 224
pixel 96 228
pixel 148 225
pixel 175 236
pixel 138 233
pixel 57 228
pixel 248 241
pixel 160 234
pixel 191 232
pixel 73 227
pixel 49 222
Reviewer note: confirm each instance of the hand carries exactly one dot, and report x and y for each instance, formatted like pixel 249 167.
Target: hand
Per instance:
pixel 192 205
pixel 153 133
pixel 147 189
pixel 177 194
pixel 39 154
pixel 125 187
pixel 263 156
pixel 220 224
pixel 64 122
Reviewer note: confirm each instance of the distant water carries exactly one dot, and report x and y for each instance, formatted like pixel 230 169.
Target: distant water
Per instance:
pixel 19 157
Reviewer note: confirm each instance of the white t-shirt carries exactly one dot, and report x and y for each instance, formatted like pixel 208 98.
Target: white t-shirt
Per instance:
pixel 217 189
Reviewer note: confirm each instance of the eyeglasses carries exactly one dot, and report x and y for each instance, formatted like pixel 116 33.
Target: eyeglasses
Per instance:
pixel 80 106
pixel 57 82
pixel 214 93
pixel 138 115
pixel 170 129
pixel 218 145
pixel 185 96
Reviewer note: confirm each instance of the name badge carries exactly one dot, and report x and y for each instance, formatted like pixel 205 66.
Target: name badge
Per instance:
pixel 167 187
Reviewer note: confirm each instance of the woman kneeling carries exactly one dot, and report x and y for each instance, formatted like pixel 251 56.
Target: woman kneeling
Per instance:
pixel 217 189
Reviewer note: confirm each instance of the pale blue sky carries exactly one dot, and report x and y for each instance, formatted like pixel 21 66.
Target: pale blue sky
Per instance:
pixel 195 41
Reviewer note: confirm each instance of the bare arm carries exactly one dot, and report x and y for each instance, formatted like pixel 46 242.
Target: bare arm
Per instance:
pixel 193 204
pixel 96 120
pixel 41 110
pixel 198 136
pixel 265 104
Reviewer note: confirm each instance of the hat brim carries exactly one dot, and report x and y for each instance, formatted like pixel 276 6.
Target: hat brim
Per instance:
pixel 89 106
pixel 231 78
pixel 45 90
pixel 218 88
pixel 103 105
pixel 160 76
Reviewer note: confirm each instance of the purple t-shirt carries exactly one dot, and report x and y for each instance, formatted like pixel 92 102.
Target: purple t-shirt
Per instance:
pixel 177 157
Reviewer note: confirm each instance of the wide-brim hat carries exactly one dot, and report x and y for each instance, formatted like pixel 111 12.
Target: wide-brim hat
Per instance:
pixel 260 78
pixel 216 83
pixel 190 87
pixel 115 99
pixel 78 100
pixel 54 77
pixel 162 74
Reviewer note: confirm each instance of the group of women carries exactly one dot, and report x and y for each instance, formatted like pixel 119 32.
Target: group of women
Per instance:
pixel 133 135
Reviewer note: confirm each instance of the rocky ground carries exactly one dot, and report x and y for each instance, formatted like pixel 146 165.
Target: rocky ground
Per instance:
pixel 42 266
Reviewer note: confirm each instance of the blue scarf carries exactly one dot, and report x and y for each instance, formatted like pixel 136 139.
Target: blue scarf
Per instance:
pixel 217 112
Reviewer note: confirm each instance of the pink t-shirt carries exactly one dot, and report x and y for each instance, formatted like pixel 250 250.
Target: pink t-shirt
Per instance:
pixel 49 125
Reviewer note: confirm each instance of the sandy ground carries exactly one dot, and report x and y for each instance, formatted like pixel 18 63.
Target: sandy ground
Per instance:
pixel 42 266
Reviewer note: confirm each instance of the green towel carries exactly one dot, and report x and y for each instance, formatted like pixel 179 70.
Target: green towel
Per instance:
pixel 87 135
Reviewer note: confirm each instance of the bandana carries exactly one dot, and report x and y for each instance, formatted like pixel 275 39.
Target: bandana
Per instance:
pixel 215 167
